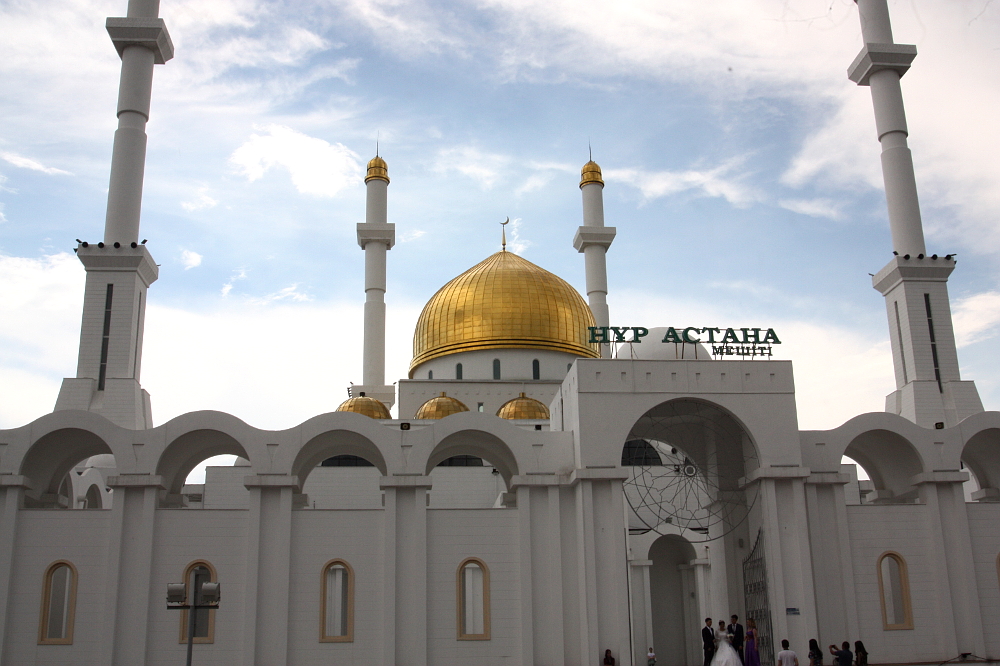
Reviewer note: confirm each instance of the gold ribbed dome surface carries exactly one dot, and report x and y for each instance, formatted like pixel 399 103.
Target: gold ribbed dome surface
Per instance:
pixel 366 406
pixel 591 173
pixel 377 170
pixel 440 407
pixel 503 302
pixel 523 407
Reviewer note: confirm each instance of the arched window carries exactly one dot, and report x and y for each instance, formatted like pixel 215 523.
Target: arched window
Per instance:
pixel 430 374
pixel 894 590
pixel 496 368
pixel 536 369
pixel 58 604
pixel 92 500
pixel 336 616
pixel 195 574
pixel 458 371
pixel 473 600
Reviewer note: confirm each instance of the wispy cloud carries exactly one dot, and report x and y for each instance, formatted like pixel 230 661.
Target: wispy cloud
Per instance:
pixel 316 167
pixel 28 163
pixel 481 166
pixel 720 181
pixel 516 244
pixel 190 259
pixel 976 318
pixel 812 207
pixel 289 293
pixel 411 235
pixel 201 201
pixel 238 274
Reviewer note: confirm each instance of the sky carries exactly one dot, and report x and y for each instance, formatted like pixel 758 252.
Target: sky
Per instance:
pixel 741 166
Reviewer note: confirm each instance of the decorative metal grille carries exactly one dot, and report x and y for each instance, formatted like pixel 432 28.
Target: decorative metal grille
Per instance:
pixel 755 596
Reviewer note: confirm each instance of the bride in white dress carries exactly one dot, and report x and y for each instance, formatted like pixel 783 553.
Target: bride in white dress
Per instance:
pixel 725 654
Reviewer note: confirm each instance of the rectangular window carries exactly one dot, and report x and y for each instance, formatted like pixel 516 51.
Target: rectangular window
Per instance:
pixel 106 337
pixel 934 354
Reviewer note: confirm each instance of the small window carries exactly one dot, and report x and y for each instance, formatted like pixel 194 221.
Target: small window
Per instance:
pixel 336 621
pixel 536 369
pixel 430 374
pixel 480 407
pixel 496 368
pixel 458 371
pixel 894 588
pixel 58 605
pixel 569 366
pixel 196 574
pixel 473 600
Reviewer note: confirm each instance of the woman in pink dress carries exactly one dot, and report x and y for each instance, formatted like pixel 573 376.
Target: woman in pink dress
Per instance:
pixel 750 655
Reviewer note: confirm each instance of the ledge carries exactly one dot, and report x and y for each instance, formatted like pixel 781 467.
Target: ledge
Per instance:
pixel 148 32
pixel 376 233
pixel 414 481
pixel 586 236
pixel 119 259
pixel 13 481
pixel 821 478
pixel 136 481
pixel 940 477
pixel 272 481
pixel 876 57
pixel 902 270
pixel 795 472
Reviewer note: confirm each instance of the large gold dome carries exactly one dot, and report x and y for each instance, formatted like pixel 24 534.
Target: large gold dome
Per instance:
pixel 503 302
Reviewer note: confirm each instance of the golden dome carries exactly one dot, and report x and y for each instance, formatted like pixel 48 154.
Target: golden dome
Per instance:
pixel 366 406
pixel 377 170
pixel 523 407
pixel 440 407
pixel 591 173
pixel 503 302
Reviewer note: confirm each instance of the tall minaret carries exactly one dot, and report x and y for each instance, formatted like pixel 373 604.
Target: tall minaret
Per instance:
pixel 594 239
pixel 375 237
pixel 120 269
pixel 930 390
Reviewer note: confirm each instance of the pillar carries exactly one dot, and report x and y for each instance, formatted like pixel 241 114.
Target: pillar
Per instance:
pixel 593 239
pixel 119 268
pixel 11 491
pixel 376 237
pixel 929 388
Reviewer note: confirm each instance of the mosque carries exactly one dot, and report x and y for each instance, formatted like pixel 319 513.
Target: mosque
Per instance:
pixel 554 485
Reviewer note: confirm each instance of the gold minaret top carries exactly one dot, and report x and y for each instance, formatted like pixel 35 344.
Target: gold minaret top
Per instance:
pixel 591 173
pixel 379 170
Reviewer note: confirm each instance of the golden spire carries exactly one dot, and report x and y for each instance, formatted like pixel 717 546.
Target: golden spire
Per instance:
pixel 503 234
pixel 377 170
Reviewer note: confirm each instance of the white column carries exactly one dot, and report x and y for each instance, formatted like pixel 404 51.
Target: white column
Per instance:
pixel 120 269
pixel 929 388
pixel 376 236
pixel 593 239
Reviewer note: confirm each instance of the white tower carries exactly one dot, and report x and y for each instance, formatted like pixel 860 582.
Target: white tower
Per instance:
pixel 930 390
pixel 120 269
pixel 593 239
pixel 376 237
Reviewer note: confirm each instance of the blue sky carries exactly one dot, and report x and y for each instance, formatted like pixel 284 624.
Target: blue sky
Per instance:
pixel 742 174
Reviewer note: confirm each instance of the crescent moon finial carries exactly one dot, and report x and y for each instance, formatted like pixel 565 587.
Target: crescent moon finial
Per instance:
pixel 503 234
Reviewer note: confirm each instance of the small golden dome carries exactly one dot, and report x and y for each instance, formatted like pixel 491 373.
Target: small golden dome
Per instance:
pixel 440 407
pixel 523 407
pixel 366 406
pixel 591 173
pixel 379 170
pixel 503 302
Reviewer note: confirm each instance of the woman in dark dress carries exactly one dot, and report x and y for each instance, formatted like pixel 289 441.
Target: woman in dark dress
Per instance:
pixel 815 654
pixel 608 659
pixel 751 657
pixel 860 654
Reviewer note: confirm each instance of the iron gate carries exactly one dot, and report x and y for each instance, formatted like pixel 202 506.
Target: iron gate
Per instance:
pixel 758 607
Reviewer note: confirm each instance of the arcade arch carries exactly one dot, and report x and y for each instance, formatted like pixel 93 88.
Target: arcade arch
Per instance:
pixel 890 462
pixel 674 611
pixel 470 469
pixel 51 460
pixel 353 484
pixel 981 457
pixel 185 453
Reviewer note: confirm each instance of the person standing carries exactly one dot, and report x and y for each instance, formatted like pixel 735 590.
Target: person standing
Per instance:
pixel 608 659
pixel 736 630
pixel 650 658
pixel 860 654
pixel 844 656
pixel 786 657
pixel 751 657
pixel 725 655
pixel 708 641
pixel 815 654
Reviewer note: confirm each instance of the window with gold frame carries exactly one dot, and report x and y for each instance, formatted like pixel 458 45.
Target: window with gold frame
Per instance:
pixel 894 592
pixel 473 603
pixel 336 617
pixel 196 573
pixel 58 614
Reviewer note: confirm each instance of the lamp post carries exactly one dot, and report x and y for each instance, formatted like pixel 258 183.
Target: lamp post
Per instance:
pixel 206 597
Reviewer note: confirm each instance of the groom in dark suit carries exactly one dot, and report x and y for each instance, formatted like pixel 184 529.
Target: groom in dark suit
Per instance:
pixel 708 639
pixel 736 629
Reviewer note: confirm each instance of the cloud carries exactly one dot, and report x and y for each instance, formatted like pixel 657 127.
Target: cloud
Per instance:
pixel 28 163
pixel 535 181
pixel 516 244
pixel 976 318
pixel 483 167
pixel 3 218
pixel 411 235
pixel 289 293
pixel 238 274
pixel 715 182
pixel 201 202
pixel 812 207
pixel 190 259
pixel 315 166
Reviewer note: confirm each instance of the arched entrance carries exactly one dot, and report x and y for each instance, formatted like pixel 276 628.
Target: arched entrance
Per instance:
pixel 671 583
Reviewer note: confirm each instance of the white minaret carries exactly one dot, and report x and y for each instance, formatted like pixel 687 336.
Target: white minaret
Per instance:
pixel 120 269
pixel 376 236
pixel 930 390
pixel 594 239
